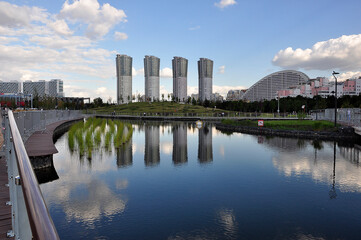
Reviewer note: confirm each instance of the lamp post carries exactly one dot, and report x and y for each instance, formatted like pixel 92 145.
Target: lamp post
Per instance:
pixel 335 73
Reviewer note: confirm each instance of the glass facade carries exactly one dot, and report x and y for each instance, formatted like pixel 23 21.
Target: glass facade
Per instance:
pixel 267 87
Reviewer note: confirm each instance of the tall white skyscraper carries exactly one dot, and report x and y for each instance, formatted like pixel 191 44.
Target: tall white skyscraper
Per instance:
pixel 151 75
pixel 124 78
pixel 180 69
pixel 205 76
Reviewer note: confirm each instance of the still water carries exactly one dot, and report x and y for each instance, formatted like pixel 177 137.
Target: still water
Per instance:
pixel 174 181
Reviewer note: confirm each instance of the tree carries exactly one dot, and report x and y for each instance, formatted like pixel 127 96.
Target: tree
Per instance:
pixel 162 97
pixel 98 102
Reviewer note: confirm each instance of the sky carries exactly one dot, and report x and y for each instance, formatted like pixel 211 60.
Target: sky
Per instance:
pixel 77 40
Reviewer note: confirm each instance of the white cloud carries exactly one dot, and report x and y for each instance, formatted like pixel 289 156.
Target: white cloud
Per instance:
pixel 223 90
pixel 225 3
pixel 18 16
pixel 165 91
pixel 192 90
pixel 221 69
pixel 346 75
pixel 60 27
pixel 102 92
pixel 120 36
pixel 137 72
pixel 166 73
pixel 194 28
pixel 343 53
pixel 100 19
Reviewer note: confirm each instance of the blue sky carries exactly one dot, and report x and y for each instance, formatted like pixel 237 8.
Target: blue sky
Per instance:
pixel 77 40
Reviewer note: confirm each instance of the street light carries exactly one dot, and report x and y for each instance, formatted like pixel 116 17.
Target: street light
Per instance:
pixel 335 73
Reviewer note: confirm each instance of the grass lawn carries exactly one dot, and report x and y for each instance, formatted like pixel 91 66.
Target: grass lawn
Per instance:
pixel 305 125
pixel 156 107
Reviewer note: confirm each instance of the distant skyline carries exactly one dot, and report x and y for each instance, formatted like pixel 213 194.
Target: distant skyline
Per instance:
pixel 77 41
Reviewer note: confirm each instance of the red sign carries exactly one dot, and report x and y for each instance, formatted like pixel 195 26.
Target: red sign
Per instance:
pixel 260 123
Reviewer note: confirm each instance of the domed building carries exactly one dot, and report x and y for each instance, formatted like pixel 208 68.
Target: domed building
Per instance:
pixel 267 87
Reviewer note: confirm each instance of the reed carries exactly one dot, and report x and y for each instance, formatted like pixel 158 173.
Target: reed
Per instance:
pixel 88 123
pixel 98 137
pixel 80 141
pixel 102 126
pixel 108 140
pixel 119 135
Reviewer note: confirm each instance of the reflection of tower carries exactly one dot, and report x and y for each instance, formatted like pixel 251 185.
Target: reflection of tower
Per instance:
pixel 151 153
pixel 205 151
pixel 125 154
pixel 180 154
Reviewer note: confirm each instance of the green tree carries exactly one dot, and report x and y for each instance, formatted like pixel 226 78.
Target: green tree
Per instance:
pixel 98 102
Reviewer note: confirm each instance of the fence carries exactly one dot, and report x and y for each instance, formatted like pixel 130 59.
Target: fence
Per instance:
pixel 346 116
pixel 200 114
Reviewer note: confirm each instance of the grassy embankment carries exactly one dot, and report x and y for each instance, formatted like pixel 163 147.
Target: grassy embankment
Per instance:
pixel 157 107
pixel 303 125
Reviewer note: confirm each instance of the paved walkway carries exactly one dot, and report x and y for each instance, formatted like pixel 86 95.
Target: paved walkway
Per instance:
pixel 41 143
pixel 5 210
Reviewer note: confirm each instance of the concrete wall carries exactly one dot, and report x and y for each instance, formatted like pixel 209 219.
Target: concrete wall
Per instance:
pixel 30 121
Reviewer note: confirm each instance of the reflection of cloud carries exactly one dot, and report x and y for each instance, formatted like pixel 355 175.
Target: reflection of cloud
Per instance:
pixel 319 165
pixel 138 148
pixel 228 221
pixel 166 148
pixel 83 196
pixel 121 184
pixel 221 150
pixel 99 201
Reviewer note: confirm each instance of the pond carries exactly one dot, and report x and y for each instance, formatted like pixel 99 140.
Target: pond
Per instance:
pixel 175 181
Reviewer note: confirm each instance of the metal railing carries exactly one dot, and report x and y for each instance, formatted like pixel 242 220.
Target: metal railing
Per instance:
pixel 201 114
pixel 30 216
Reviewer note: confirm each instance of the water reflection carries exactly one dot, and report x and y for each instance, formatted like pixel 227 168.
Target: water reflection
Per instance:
pixel 205 150
pixel 180 154
pixel 152 150
pixel 318 160
pixel 125 154
pixel 281 186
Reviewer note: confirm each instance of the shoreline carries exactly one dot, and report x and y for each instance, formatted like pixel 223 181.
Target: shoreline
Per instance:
pixel 341 135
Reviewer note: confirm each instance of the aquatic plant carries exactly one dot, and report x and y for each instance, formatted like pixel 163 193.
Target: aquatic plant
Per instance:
pixel 98 137
pixel 89 134
pixel 119 135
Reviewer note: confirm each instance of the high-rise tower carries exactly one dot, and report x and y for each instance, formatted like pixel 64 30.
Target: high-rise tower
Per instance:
pixel 205 76
pixel 151 75
pixel 180 69
pixel 124 78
